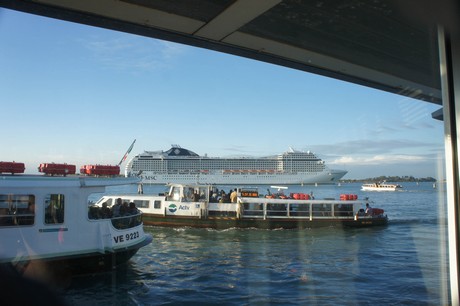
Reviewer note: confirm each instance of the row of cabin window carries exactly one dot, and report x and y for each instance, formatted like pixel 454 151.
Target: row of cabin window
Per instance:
pixel 286 165
pixel 317 209
pixel 21 210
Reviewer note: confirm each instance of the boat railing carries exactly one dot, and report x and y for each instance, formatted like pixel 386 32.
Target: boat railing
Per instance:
pixel 15 219
pixel 313 210
pixel 127 221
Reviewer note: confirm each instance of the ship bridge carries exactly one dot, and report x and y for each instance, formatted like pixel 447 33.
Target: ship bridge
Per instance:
pixel 177 151
pixel 410 47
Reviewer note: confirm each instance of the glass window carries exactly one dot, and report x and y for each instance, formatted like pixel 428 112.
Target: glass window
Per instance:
pixel 54 209
pixel 17 210
pixel 343 210
pixel 142 203
pixel 175 194
pixel 321 210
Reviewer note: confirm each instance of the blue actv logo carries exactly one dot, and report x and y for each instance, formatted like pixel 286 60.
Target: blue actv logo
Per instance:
pixel 172 208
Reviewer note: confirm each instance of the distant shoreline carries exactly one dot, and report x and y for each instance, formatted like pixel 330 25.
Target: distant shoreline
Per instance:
pixel 390 179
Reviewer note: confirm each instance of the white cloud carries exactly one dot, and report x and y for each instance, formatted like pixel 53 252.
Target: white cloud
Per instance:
pixel 376 160
pixel 170 50
pixel 125 52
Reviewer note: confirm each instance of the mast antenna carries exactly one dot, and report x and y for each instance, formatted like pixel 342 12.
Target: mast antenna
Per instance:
pixel 127 152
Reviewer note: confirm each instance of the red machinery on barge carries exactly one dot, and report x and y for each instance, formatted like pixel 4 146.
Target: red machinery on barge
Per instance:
pixel 12 167
pixel 62 169
pixel 100 170
pixel 57 169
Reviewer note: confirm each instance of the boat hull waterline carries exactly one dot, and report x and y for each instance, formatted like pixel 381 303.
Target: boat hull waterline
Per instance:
pixel 227 223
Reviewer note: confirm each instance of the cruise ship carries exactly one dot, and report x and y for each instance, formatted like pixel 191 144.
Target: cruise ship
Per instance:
pixel 182 166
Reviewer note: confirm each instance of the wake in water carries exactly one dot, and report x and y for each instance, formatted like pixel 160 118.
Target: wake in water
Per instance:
pixel 398 264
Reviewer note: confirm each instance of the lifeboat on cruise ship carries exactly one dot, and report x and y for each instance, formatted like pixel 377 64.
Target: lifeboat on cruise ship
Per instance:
pixel 12 167
pixel 348 197
pixel 100 170
pixel 57 169
pixel 301 196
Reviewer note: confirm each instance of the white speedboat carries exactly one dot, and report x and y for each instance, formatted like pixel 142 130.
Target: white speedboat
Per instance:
pixel 200 206
pixel 380 187
pixel 48 222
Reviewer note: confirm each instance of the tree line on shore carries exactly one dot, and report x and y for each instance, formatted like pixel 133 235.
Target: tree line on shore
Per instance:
pixel 391 179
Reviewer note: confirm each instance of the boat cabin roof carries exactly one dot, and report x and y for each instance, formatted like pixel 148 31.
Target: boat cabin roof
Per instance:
pixel 42 181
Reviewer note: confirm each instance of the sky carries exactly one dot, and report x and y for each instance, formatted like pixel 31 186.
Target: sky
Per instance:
pixel 76 94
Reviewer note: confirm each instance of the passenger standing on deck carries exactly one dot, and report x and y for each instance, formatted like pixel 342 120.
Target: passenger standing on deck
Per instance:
pixel 189 196
pixel 196 196
pixel 368 210
pixel 132 210
pixel 116 208
pixel 227 196
pixel 214 197
pixel 233 196
pixel 222 196
pixel 124 208
pixel 105 211
pixel 140 188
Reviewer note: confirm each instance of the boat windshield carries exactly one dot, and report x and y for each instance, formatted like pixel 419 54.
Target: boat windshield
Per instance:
pixel 188 193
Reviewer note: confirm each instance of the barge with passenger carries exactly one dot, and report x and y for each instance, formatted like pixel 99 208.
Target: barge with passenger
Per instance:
pixel 199 206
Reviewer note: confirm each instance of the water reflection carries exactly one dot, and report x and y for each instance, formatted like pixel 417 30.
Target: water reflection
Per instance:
pixel 396 264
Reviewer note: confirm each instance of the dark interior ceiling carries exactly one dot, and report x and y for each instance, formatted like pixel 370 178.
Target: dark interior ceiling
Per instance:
pixel 376 43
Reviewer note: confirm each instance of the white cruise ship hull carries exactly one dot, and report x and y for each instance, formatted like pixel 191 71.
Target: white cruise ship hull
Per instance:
pixel 181 166
pixel 329 177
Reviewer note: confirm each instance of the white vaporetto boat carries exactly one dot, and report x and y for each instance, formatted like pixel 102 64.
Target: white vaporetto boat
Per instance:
pixel 182 166
pixel 199 206
pixel 380 187
pixel 48 222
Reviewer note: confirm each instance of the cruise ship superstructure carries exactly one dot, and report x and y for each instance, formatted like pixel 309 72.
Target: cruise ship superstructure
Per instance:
pixel 179 165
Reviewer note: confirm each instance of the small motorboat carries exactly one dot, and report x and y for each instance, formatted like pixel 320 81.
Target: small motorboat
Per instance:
pixel 380 187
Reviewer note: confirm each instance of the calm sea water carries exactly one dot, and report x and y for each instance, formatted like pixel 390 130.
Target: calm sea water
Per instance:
pixel 403 263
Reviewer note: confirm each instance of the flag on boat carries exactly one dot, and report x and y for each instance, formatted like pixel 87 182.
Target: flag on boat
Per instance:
pixel 127 152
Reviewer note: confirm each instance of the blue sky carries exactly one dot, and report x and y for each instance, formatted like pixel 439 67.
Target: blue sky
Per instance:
pixel 79 94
